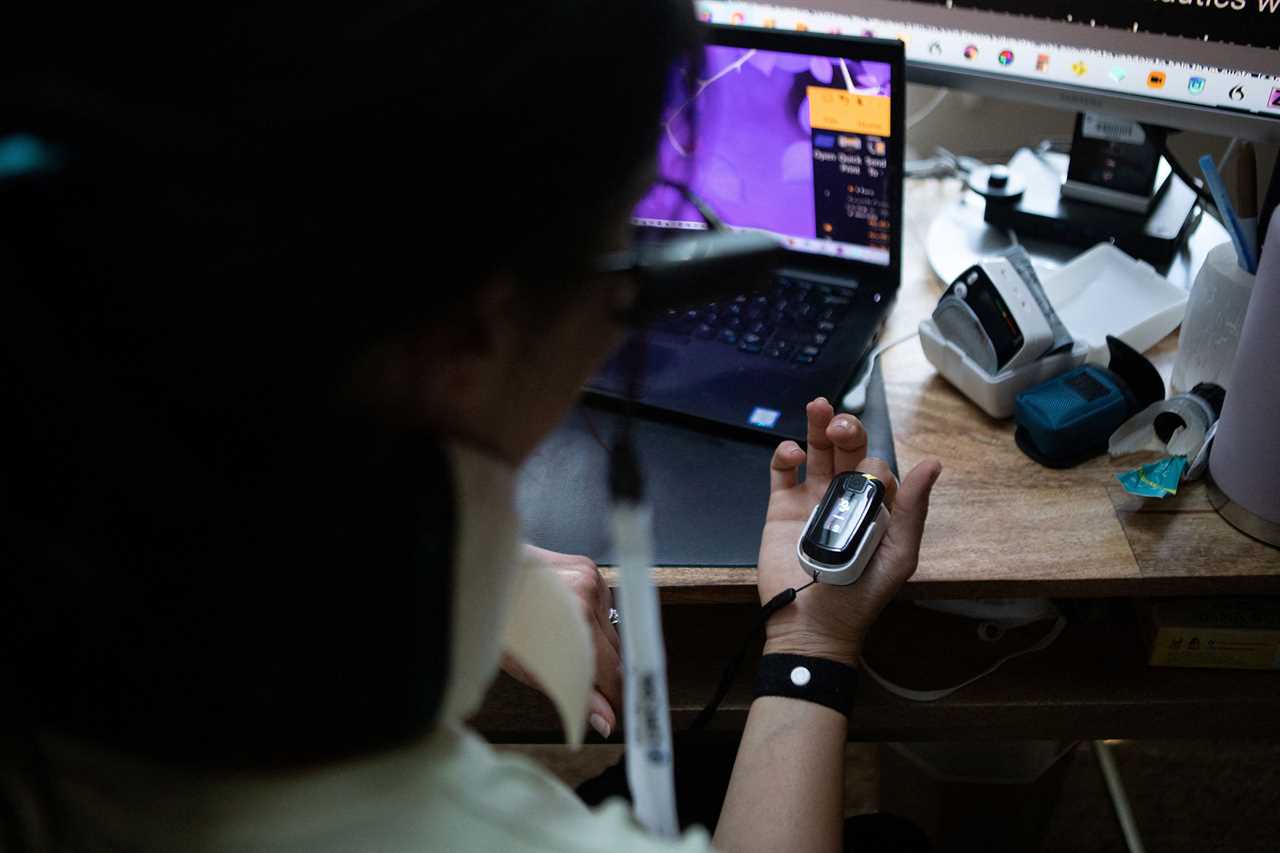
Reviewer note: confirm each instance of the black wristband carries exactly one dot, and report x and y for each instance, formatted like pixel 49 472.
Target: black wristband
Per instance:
pixel 817 680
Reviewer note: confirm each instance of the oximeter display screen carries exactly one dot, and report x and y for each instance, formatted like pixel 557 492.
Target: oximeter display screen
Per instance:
pixel 841 518
pixel 844 529
pixel 840 515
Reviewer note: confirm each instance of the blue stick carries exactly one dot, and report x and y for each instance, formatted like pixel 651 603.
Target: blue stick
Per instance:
pixel 1244 251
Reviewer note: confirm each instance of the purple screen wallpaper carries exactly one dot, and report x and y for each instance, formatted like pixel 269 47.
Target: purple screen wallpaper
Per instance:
pixel 753 161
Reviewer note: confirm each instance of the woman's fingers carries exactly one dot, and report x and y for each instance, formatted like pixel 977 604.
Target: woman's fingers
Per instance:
pixel 601 715
pixel 899 553
pixel 603 606
pixel 913 506
pixel 583 578
pixel 820 461
pixel 785 465
pixel 582 575
pixel 597 600
pixel 849 438
pixel 880 469
pixel 608 680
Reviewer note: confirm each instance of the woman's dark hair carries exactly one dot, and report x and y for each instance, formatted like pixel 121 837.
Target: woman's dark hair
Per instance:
pixel 205 558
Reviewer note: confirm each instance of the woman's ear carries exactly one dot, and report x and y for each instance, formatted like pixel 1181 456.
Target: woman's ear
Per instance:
pixel 443 372
pixel 484 324
pixel 501 371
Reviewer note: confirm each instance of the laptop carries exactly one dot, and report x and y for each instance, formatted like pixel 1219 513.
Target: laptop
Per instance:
pixel 800 136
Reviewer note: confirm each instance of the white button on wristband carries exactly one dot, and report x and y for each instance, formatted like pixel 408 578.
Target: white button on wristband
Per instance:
pixel 818 680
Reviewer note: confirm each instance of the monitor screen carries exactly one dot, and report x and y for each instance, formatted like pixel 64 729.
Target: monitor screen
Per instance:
pixel 1196 64
pixel 792 145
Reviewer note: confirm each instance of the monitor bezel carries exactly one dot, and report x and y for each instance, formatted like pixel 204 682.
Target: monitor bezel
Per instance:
pixel 1216 121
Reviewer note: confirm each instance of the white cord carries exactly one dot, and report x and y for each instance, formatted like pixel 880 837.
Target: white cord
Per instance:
pixel 943 164
pixel 1119 799
pixel 855 399
pixel 942 692
pixel 885 347
pixel 923 113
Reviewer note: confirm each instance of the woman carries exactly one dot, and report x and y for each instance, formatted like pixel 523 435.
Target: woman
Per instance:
pixel 286 300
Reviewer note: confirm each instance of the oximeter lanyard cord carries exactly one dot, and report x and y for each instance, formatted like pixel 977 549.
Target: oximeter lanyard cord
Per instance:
pixel 730 671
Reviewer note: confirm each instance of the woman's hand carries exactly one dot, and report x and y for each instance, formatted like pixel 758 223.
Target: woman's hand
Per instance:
pixel 582 576
pixel 831 621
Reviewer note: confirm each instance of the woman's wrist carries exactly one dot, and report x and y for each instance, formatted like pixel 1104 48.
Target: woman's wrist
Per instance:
pixel 814 645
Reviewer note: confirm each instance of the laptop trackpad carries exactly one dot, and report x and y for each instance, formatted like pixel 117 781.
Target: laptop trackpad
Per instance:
pixel 660 353
pixel 709 492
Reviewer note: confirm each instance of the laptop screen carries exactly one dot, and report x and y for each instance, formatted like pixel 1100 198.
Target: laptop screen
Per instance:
pixel 789 144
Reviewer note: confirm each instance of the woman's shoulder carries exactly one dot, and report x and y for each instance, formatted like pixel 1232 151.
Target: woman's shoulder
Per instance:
pixel 447 791
pixel 502 800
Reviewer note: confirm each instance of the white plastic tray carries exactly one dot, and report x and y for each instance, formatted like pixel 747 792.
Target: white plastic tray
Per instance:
pixel 993 394
pixel 1106 292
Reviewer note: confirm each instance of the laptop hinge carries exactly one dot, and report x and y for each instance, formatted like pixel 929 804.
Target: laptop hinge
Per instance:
pixel 821 278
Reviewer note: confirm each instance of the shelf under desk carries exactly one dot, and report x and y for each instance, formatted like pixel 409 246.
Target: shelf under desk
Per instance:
pixel 1093 682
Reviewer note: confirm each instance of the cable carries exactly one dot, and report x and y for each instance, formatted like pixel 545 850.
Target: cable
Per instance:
pixel 881 349
pixel 730 671
pixel 1120 800
pixel 923 113
pixel 855 399
pixel 714 222
pixel 929 167
pixel 591 428
pixel 943 164
pixel 1047 147
pixel 940 693
pixel 1054 145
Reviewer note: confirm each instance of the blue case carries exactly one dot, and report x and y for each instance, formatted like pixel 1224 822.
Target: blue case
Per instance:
pixel 1069 418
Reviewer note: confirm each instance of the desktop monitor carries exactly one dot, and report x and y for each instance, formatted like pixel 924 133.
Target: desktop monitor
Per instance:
pixel 1205 65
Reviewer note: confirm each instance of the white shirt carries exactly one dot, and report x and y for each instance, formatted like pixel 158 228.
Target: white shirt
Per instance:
pixel 450 791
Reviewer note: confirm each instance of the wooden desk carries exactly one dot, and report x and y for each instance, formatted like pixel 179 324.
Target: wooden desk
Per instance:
pixel 999 526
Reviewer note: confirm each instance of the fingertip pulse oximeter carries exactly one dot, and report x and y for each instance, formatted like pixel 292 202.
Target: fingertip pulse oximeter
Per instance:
pixel 844 529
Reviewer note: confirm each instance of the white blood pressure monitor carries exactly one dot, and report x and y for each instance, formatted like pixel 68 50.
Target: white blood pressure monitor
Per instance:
pixel 992 313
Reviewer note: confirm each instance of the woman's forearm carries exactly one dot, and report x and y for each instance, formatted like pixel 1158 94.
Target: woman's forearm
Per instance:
pixel 787 789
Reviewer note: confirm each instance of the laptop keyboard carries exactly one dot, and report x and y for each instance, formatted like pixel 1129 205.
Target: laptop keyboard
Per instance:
pixel 791 322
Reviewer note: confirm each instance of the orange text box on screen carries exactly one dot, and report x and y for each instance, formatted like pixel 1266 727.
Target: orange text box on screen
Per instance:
pixel 839 109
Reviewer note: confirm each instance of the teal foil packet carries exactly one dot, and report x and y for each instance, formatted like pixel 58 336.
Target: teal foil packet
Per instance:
pixel 1155 480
